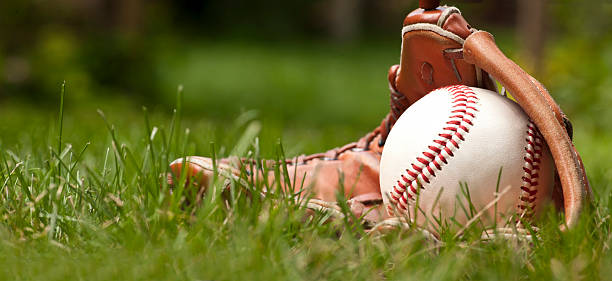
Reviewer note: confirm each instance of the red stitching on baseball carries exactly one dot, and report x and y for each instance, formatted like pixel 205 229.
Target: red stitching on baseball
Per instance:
pixel 434 149
pixel 449 152
pixel 412 174
pixel 464 102
pixel 454 122
pixel 531 169
pixel 442 158
pixel 429 155
pixel 422 160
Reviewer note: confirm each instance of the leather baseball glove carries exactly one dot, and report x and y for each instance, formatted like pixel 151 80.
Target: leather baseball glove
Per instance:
pixel 439 48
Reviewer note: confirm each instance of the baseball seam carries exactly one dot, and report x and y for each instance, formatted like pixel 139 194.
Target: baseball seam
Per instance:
pixel 463 111
pixel 531 168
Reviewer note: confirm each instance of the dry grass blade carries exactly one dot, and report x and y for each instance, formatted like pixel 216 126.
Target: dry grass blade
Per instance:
pixel 481 212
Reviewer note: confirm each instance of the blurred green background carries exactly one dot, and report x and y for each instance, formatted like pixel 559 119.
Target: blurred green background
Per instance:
pixel 313 72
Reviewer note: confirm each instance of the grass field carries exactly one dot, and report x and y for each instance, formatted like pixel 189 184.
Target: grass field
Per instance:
pixel 83 194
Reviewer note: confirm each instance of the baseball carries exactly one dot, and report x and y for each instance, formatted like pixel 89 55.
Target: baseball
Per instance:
pixel 462 151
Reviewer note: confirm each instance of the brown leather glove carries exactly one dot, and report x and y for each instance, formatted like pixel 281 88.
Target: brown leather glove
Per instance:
pixel 439 48
pixel 480 49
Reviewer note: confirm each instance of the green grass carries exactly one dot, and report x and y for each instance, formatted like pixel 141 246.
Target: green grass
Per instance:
pixel 97 207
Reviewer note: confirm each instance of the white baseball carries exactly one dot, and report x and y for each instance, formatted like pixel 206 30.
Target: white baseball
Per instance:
pixel 456 139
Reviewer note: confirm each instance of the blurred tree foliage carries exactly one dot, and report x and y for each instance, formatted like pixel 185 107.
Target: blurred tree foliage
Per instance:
pixel 112 48
pixel 107 47
pixel 579 61
pixel 84 42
